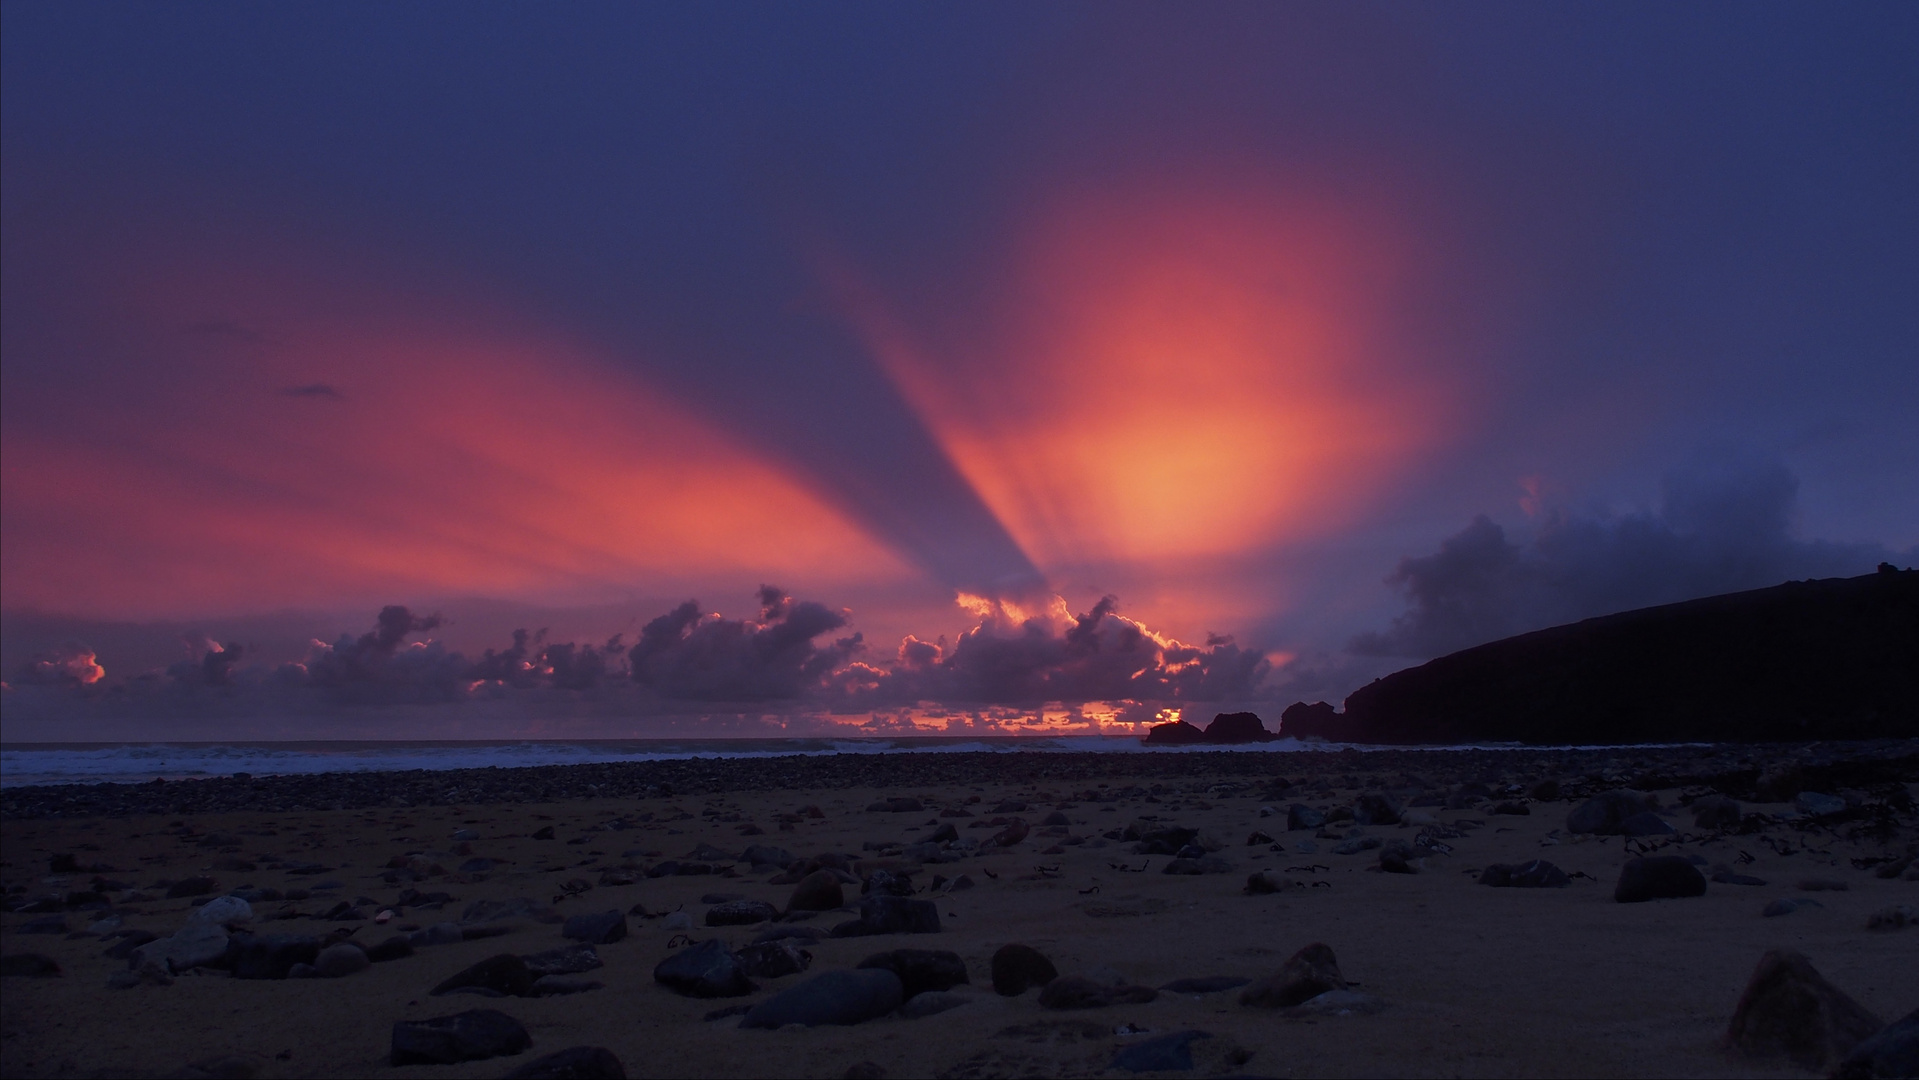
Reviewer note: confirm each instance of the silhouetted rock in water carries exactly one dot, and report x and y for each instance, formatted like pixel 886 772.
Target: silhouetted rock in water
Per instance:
pixel 1892 1052
pixel 1301 720
pixel 1658 877
pixel 1310 972
pixel 1177 733
pixel 1829 659
pixel 573 1063
pixel 1226 729
pixel 447 1040
pixel 1789 1010
pixel 1016 968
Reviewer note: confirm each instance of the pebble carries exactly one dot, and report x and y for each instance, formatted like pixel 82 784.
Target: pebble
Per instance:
pixel 921 970
pixel 600 928
pixel 473 1035
pixel 1658 877
pixel 705 970
pixel 1789 1010
pixel 836 997
pixel 818 891
pixel 337 961
pixel 573 1063
pixel 1162 1053
pixel 1017 968
pixel 1307 974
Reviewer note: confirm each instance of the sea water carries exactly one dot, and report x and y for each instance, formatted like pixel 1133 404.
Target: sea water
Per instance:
pixel 25 764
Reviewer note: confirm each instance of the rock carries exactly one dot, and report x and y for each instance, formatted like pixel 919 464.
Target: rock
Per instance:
pixel 573 1063
pixel 679 920
pixel 559 986
pixel 1263 882
pixel 1658 877
pixel 270 956
pixel 921 970
pixel 1353 845
pixel 836 997
pixel 1258 839
pixel 1725 875
pixel 602 928
pixel 1645 823
pixel 1162 1053
pixel 1376 810
pixel 566 960
pixel 1205 864
pixel 1301 720
pixel 808 934
pixel 1513 809
pixel 446 1040
pixel 340 960
pixel 1177 733
pixel 864 1070
pixel 1818 804
pixel 1080 992
pixel 1206 984
pixel 193 886
pixel 920 1006
pixel 133 940
pixel 1010 835
pixel 1893 918
pixel 1893 1052
pixel 1239 727
pixel 817 891
pixel 1789 1010
pixel 1309 973
pixel 1544 791
pixel 1160 839
pixel 1398 857
pixel 705 970
pixel 1786 905
pixel 1537 874
pixel 29 965
pixel 884 914
pixel 1716 812
pixel 1300 816
pixel 393 948
pixel 1057 817
pixel 1604 813
pixel 545 832
pixel 224 910
pixel 1016 968
pixel 445 933
pixel 193 945
pixel 1337 1003
pixel 520 907
pixel 1823 885
pixel 773 959
pixel 503 974
pixel 51 924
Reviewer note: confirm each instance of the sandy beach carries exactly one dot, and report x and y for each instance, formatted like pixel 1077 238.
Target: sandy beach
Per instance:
pixel 1457 978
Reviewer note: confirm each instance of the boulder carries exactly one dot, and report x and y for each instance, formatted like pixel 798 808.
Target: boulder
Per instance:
pixel 270 956
pixel 817 891
pixel 921 970
pixel 884 914
pixel 1010 835
pixel 504 974
pixel 1398 857
pixel 340 960
pixel 1016 968
pixel 599 928
pixel 1309 973
pixel 1789 1010
pixel 573 1063
pixel 1374 809
pixel 1300 816
pixel 1301 720
pixel 566 960
pixel 1646 823
pixel 773 959
pixel 396 947
pixel 1263 882
pixel 197 944
pixel 1537 874
pixel 1716 812
pixel 1604 813
pixel 921 1006
pixel 836 997
pixel 1658 877
pixel 473 1035
pixel 1239 727
pixel 224 910
pixel 705 970
pixel 1177 733
pixel 1893 1052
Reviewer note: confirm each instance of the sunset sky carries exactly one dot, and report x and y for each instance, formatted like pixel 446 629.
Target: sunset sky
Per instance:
pixel 1354 333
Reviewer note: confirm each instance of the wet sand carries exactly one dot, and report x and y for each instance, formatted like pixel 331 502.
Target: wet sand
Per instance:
pixel 1476 981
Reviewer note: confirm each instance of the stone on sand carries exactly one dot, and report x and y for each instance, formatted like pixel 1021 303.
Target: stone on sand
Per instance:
pixel 1018 968
pixel 473 1035
pixel 1162 1053
pixel 836 997
pixel 1537 874
pixel 340 960
pixel 921 970
pixel 270 956
pixel 597 928
pixel 1309 973
pixel 705 970
pixel 504 974
pixel 573 1063
pixel 1789 1010
pixel 817 891
pixel 773 959
pixel 1893 1052
pixel 1604 813
pixel 1658 877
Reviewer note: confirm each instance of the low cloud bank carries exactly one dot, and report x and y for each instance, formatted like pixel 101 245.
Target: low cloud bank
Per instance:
pixel 1714 532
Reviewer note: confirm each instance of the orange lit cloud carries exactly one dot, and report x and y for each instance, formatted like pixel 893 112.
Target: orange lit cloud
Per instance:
pixel 1181 375
pixel 323 444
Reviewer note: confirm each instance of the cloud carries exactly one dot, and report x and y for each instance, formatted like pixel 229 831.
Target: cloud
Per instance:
pixel 68 664
pixel 687 655
pixel 1018 657
pixel 1716 530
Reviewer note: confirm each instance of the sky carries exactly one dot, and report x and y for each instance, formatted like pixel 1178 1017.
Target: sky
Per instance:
pixel 975 364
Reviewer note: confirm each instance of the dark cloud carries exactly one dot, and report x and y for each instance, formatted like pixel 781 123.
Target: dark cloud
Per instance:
pixel 67 664
pixel 1716 530
pixel 687 655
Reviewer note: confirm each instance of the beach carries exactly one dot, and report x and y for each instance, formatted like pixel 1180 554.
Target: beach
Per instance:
pixel 1445 976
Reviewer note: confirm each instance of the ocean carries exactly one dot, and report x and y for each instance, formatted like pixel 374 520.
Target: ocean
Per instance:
pixel 30 764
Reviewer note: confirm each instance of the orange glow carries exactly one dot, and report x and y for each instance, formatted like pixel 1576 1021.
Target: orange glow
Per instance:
pixel 1182 377
pixel 457 457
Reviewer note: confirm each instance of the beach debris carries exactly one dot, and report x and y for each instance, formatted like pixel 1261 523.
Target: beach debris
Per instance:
pixel 573 1063
pixel 1307 974
pixel 473 1035
pixel 1016 968
pixel 704 970
pixel 921 970
pixel 836 997
pixel 1789 1010
pixel 1658 877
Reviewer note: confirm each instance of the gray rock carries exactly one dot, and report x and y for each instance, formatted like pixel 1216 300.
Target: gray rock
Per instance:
pixel 473 1035
pixel 1818 804
pixel 1716 812
pixel 505 974
pixel 224 910
pixel 883 914
pixel 573 1063
pixel 1017 968
pixel 1162 1053
pixel 194 945
pixel 1398 857
pixel 1602 814
pixel 1789 1010
pixel 1376 810
pixel 1308 973
pixel 705 970
pixel 566 960
pixel 599 928
pixel 1786 905
pixel 1337 1003
pixel 774 959
pixel 337 961
pixel 1300 816
pixel 1645 823
pixel 741 913
pixel 1658 877
pixel 1355 845
pixel 1893 1052
pixel 817 891
pixel 1537 874
pixel 836 997
pixel 920 1006
pixel 559 985
pixel 921 970
pixel 1205 984
pixel 445 933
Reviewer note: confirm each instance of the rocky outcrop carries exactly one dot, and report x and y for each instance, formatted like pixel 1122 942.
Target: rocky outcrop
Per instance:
pixel 1225 730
